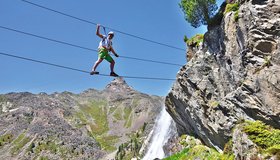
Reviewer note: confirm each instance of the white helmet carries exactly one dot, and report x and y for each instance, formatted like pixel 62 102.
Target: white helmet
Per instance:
pixel 112 33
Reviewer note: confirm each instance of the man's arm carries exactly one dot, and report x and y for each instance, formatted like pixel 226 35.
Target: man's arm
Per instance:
pixel 97 31
pixel 113 51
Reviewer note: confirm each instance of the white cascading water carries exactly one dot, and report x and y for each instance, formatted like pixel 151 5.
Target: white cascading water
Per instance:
pixel 161 133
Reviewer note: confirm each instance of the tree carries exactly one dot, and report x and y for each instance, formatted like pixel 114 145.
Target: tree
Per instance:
pixel 198 12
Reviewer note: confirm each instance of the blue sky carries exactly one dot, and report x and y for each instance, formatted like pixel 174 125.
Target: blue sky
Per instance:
pixel 161 21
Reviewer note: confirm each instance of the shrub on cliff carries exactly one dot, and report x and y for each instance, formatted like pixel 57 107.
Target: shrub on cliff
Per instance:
pixel 261 134
pixel 198 12
pixel 195 40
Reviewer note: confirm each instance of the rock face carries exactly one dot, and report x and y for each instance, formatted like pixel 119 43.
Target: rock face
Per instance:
pixel 234 75
pixel 64 125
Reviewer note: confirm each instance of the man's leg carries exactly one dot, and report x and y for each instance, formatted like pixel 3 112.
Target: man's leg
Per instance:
pixel 112 64
pixel 93 71
pixel 112 69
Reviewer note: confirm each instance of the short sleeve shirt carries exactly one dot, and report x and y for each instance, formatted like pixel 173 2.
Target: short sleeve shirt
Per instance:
pixel 105 42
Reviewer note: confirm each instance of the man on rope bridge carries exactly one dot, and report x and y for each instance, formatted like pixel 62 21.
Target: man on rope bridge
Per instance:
pixel 105 46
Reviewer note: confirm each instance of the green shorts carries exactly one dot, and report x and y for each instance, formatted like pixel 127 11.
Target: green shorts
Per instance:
pixel 103 54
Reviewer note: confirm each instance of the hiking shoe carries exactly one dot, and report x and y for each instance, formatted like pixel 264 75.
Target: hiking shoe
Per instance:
pixel 93 72
pixel 113 74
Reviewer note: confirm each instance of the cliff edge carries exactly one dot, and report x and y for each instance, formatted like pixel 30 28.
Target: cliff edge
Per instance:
pixel 234 75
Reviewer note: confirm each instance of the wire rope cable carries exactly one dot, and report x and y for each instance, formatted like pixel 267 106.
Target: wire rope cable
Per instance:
pixel 85 48
pixel 94 23
pixel 79 70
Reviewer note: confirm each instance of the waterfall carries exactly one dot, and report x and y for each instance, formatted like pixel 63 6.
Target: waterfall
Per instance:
pixel 161 133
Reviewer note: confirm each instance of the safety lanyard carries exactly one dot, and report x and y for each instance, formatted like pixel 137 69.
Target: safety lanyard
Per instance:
pixel 104 30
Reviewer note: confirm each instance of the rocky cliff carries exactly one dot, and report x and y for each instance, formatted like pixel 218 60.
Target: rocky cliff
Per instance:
pixel 234 75
pixel 65 125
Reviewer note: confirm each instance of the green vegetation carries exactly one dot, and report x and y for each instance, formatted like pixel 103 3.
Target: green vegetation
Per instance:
pixel 128 150
pixel 236 16
pixel 191 141
pixel 203 12
pixel 2 99
pixel 198 12
pixel 128 122
pixel 5 139
pixel 178 156
pixel 228 147
pixel 185 39
pixel 121 152
pixel 46 146
pixel 30 147
pixel 225 8
pixel 43 158
pixel 231 7
pixel 124 113
pixel 135 145
pixel 262 135
pixel 199 152
pixel 53 147
pixel 19 143
pixel 112 109
pixel 82 118
pixel 135 103
pixel 194 150
pixel 266 63
pixel 19 138
pixel 144 127
pixel 94 115
pixel 213 104
pixel 274 150
pixel 98 112
pixel 107 142
pixel 128 116
pixel 266 137
pixel 195 40
pixel 118 114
